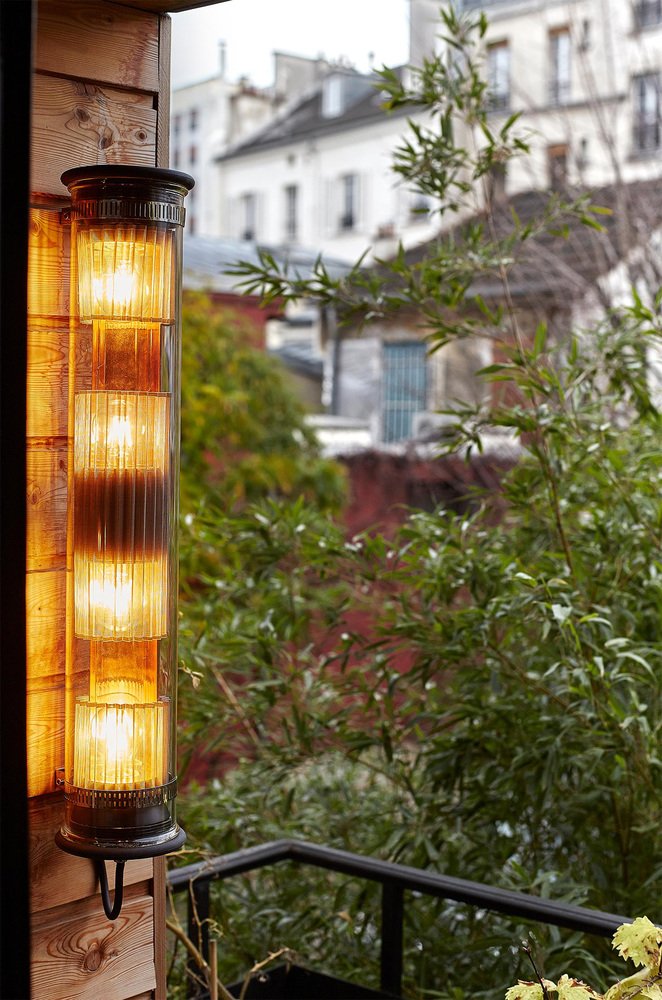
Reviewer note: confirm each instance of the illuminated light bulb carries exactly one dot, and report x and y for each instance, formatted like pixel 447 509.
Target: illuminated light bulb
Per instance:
pixel 121 431
pixel 121 522
pixel 125 273
pixel 120 438
pixel 120 600
pixel 120 746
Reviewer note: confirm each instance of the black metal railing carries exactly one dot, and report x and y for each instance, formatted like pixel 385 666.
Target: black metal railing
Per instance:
pixel 395 879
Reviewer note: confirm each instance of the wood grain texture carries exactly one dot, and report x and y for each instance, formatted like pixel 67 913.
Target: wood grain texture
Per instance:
pixel 77 954
pixel 93 40
pixel 159 895
pixel 48 275
pixel 46 462
pixel 45 738
pixel 48 368
pixel 163 105
pixel 45 595
pixel 57 878
pixel 81 123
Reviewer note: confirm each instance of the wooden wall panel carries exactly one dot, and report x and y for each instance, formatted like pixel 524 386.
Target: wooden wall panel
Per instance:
pixel 163 106
pixel 81 122
pixel 80 955
pixel 48 351
pixel 59 878
pixel 48 278
pixel 47 506
pixel 45 708
pixel 93 40
pixel 45 599
pixel 100 96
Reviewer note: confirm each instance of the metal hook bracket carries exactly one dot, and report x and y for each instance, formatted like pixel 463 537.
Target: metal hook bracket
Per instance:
pixel 112 910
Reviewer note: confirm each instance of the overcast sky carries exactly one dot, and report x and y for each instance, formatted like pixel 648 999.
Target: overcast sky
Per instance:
pixel 253 29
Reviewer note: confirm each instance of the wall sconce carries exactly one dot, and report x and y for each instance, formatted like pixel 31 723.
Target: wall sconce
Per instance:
pixel 124 364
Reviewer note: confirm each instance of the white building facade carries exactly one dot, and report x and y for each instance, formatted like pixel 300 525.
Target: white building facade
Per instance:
pixel 320 175
pixel 585 76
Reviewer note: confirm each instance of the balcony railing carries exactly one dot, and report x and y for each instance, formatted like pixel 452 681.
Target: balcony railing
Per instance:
pixel 395 879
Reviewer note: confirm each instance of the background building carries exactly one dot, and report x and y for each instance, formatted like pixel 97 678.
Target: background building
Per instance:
pixel 308 164
pixel 585 77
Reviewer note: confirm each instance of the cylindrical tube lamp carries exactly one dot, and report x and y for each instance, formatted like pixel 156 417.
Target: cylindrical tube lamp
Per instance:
pixel 124 364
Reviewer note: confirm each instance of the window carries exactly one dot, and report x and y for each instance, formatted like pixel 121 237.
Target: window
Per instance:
pixel 498 76
pixel 192 225
pixel 177 124
pixel 193 155
pixel 291 205
pixel 175 158
pixel 559 77
pixel 404 387
pixel 193 119
pixel 248 216
pixel 557 161
pixel 647 13
pixel 646 112
pixel 349 201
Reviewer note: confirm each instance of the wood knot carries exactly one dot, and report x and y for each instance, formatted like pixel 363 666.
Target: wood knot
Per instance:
pixel 141 136
pixel 81 114
pixel 93 959
pixel 106 139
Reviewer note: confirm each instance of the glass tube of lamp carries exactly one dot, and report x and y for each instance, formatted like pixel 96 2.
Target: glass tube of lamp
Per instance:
pixel 123 471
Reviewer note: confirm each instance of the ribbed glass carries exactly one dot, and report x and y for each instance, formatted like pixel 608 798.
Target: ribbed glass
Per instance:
pixel 120 746
pixel 121 508
pixel 124 363
pixel 123 672
pixel 125 272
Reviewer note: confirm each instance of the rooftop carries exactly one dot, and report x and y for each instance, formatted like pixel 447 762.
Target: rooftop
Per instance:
pixel 361 104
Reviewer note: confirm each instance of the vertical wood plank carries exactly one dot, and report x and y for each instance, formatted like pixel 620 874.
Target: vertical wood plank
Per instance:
pixel 45 740
pixel 45 602
pixel 159 894
pixel 48 368
pixel 46 464
pixel 163 107
pixel 48 276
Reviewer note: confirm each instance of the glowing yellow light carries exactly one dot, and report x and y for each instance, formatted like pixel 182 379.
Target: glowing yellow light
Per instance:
pixel 118 286
pixel 121 430
pixel 125 272
pixel 123 673
pixel 120 746
pixel 121 523
pixel 120 600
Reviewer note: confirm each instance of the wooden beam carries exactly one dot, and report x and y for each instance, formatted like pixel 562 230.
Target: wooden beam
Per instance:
pixel 104 42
